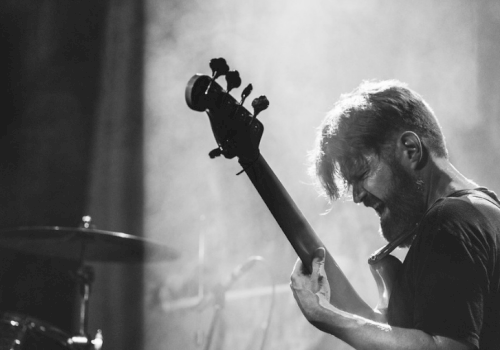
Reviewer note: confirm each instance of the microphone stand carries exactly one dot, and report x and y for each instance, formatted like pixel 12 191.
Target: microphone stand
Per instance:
pixel 219 294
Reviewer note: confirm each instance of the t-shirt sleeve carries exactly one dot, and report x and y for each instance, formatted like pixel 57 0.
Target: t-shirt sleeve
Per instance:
pixel 451 277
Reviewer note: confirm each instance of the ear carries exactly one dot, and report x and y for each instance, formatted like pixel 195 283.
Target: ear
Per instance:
pixel 410 150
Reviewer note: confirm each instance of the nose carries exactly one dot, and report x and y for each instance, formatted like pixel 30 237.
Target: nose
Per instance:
pixel 358 193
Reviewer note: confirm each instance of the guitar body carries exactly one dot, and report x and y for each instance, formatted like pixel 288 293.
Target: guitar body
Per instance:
pixel 385 272
pixel 238 134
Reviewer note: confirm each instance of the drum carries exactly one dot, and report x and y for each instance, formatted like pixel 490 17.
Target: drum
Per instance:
pixel 19 332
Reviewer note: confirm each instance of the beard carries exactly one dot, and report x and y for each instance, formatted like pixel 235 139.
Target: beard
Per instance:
pixel 405 205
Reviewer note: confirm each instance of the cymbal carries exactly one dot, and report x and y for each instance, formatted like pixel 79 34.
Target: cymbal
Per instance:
pixel 84 244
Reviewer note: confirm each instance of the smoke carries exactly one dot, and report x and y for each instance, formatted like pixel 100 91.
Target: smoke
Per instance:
pixel 302 56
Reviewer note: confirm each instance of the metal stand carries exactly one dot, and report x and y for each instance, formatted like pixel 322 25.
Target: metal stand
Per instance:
pixel 85 277
pixel 219 302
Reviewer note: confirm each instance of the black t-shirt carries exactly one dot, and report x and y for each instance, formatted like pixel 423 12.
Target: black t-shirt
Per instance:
pixel 450 280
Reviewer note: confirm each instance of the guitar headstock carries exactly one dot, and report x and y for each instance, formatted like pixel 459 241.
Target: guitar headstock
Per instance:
pixel 236 130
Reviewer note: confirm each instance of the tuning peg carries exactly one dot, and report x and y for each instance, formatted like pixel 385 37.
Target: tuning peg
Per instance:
pixel 259 104
pixel 233 80
pixel 219 67
pixel 216 152
pixel 247 91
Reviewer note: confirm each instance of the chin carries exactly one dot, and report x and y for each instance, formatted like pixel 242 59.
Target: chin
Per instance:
pixel 388 237
pixel 392 233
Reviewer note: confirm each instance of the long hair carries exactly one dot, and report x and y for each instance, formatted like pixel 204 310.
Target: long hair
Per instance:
pixel 365 120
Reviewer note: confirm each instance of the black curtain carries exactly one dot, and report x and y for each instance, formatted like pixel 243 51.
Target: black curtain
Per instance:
pixel 72 72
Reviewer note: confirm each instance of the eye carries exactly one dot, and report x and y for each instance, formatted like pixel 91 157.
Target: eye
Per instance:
pixel 353 179
pixel 361 176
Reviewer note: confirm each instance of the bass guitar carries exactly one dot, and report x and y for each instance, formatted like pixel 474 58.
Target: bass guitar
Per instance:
pixel 238 133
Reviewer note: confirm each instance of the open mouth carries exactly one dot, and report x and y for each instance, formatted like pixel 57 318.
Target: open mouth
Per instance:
pixel 379 208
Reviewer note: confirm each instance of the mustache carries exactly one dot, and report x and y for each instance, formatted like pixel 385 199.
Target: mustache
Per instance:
pixel 371 201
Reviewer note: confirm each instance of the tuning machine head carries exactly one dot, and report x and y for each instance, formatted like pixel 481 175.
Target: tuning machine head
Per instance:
pixel 236 130
pixel 233 80
pixel 219 67
pixel 259 104
pixel 245 93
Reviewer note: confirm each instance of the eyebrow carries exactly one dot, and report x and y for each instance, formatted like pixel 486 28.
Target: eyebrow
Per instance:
pixel 356 168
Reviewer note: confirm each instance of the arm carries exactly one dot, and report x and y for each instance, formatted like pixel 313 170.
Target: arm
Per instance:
pixel 301 235
pixel 312 294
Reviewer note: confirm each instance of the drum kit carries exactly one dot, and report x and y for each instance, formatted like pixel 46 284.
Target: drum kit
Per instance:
pixel 84 244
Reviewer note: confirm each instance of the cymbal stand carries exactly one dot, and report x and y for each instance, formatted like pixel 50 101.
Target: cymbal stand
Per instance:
pixel 85 277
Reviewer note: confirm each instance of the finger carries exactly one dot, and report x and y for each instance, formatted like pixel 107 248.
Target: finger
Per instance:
pixel 296 274
pixel 297 268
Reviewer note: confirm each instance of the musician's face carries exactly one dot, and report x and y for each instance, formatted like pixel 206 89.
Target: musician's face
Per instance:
pixel 393 193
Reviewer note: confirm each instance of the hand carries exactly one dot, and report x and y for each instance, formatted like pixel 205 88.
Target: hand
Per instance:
pixel 311 291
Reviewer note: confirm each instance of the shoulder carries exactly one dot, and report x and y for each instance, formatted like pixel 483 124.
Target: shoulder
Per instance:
pixel 472 217
pixel 466 207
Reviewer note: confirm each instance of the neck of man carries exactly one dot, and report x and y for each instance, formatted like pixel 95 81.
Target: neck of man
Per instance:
pixel 441 179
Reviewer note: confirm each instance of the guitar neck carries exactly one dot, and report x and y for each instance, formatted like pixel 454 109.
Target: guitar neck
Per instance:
pixel 301 235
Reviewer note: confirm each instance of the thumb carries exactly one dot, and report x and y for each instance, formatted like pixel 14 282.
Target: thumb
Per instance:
pixel 318 260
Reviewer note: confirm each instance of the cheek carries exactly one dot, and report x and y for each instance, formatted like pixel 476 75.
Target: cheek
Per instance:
pixel 379 182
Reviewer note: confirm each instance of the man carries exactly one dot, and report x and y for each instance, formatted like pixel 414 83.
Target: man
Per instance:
pixel 384 142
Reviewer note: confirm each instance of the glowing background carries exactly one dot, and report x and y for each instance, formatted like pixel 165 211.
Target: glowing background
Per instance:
pixel 302 56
